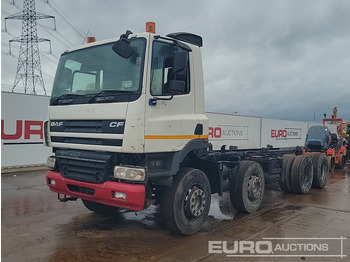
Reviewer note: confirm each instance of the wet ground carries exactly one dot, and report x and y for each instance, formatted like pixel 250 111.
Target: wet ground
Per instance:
pixel 37 227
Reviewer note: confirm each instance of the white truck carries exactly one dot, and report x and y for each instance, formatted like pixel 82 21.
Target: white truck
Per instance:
pixel 128 129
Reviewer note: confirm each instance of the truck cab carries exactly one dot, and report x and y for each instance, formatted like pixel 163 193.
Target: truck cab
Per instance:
pixel 322 139
pixel 123 115
pixel 318 139
pixel 130 96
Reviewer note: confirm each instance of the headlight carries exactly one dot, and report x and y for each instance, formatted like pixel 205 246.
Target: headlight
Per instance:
pixel 130 173
pixel 51 162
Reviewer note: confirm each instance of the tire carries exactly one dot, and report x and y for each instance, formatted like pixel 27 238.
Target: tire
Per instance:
pixel 321 170
pixel 185 206
pixel 247 187
pixel 285 181
pixel 341 162
pixel 99 208
pixel 302 174
pixel 331 163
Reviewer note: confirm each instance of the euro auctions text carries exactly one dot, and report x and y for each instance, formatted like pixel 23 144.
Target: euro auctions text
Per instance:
pixel 280 247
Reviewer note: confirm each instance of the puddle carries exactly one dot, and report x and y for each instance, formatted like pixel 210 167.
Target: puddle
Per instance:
pixel 221 207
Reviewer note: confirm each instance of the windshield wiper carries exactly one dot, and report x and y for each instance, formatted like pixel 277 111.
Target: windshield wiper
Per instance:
pixel 114 92
pixel 55 102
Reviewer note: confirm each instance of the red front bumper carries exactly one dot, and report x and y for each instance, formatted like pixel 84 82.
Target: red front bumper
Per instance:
pixel 101 193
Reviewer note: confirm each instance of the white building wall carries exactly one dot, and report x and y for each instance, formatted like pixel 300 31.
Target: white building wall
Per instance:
pixel 22 117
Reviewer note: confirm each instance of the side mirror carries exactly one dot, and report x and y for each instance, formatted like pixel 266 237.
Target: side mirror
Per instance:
pixel 180 61
pixel 122 48
pixel 177 86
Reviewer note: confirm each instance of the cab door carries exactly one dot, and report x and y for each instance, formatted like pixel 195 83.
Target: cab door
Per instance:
pixel 170 119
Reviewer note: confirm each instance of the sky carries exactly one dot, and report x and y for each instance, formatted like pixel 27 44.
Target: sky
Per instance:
pixel 284 59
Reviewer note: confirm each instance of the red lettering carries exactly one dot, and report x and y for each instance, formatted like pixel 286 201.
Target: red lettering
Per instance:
pixel 278 133
pixel 284 133
pixel 211 130
pixel 273 133
pixel 15 136
pixel 215 132
pixel 29 130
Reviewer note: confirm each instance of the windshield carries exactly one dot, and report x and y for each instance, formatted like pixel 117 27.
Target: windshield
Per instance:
pixel 97 71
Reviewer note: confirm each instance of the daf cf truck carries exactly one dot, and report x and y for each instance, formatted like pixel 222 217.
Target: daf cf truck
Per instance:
pixel 128 129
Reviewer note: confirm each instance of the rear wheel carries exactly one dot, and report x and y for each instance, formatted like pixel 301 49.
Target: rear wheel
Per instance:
pixel 321 170
pixel 99 208
pixel 186 204
pixel 285 181
pixel 302 174
pixel 341 162
pixel 247 189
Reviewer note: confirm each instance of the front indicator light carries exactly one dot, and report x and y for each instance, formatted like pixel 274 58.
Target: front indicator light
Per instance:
pixel 51 162
pixel 119 195
pixel 129 173
pixel 52 182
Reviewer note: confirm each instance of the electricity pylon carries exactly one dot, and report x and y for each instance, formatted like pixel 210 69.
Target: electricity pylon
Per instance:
pixel 29 66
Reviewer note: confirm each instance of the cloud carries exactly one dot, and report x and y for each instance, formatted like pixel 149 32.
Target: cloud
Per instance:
pixel 276 59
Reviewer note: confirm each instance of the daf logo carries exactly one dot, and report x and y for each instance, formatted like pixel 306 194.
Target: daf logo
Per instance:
pixel 116 124
pixel 56 123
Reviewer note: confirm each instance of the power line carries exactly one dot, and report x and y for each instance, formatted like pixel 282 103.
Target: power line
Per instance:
pixel 29 66
pixel 65 18
pixel 14 4
pixel 58 39
pixel 4 12
pixel 62 15
pixel 49 76
pixel 71 20
pixel 48 58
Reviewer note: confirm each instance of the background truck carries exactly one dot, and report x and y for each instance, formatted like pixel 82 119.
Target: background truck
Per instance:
pixel 330 142
pixel 347 138
pixel 128 129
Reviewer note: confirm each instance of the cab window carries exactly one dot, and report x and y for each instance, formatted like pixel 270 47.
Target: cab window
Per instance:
pixel 162 73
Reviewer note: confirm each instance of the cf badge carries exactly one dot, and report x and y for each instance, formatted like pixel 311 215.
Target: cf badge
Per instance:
pixel 116 124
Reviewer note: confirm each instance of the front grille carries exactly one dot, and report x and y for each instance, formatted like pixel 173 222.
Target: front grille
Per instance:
pixel 88 126
pixel 80 189
pixel 84 166
pixel 113 128
pixel 87 141
pixel 314 146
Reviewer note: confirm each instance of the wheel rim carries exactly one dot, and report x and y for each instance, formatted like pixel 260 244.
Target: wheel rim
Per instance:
pixel 254 188
pixel 195 202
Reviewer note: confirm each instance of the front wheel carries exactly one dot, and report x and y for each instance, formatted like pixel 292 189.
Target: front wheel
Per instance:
pixel 186 204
